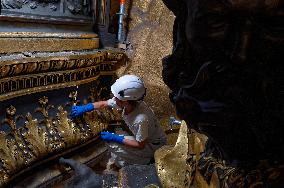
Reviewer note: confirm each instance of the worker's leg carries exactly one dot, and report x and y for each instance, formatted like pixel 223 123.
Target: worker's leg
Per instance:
pixel 124 155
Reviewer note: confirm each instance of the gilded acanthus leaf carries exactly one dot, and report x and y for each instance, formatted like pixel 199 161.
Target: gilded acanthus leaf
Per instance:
pixel 17 153
pixel 8 160
pixel 66 128
pixel 35 137
pixel 4 177
pixel 93 121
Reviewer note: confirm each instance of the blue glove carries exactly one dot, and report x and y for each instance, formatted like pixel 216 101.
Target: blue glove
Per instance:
pixel 107 136
pixel 80 110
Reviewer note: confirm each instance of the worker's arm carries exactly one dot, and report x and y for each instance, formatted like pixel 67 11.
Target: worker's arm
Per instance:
pixel 134 143
pixel 107 136
pixel 100 104
pixel 80 110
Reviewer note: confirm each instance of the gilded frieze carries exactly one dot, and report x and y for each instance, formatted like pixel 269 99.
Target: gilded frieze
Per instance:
pixel 36 138
pixel 37 74
pixel 36 94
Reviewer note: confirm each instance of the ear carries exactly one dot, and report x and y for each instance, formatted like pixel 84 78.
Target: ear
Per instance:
pixel 127 103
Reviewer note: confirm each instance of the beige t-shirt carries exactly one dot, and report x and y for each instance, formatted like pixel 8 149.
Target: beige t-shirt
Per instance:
pixel 143 123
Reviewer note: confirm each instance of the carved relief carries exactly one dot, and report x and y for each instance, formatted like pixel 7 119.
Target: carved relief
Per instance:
pixel 49 9
pixel 21 147
pixel 78 6
pixel 13 4
pixel 14 80
pixel 46 81
pixel 29 136
pixel 18 4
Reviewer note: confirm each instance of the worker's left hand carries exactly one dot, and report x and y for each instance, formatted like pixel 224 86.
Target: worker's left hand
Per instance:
pixel 107 136
pixel 80 110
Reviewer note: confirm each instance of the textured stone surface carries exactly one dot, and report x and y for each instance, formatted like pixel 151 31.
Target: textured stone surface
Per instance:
pixel 13 42
pixel 150 35
pixel 138 176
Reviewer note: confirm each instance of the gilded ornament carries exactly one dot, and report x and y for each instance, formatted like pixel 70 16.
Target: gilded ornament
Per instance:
pixel 28 143
pixel 39 138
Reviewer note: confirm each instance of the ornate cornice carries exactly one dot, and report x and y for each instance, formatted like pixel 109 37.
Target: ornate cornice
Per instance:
pixel 36 74
pixel 33 136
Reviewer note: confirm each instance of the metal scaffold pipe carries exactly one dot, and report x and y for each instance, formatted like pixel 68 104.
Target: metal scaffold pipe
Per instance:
pixel 120 34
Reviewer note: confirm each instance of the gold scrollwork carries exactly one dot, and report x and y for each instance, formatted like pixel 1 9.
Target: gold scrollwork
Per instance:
pixel 20 77
pixel 22 147
pixel 38 65
pixel 25 143
pixel 19 85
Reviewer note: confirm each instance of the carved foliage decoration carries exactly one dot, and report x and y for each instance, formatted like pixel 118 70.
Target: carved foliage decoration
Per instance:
pixel 41 74
pixel 23 146
pixel 47 130
pixel 36 65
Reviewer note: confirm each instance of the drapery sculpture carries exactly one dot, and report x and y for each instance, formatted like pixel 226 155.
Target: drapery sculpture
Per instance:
pixel 226 78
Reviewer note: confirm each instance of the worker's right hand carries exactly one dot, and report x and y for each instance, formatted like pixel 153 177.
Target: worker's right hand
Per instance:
pixel 107 136
pixel 80 110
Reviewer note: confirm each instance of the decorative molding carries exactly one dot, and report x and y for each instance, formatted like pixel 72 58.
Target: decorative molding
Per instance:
pixel 47 66
pixel 19 42
pixel 32 75
pixel 72 11
pixel 36 139
pixel 36 134
pixel 52 62
pixel 8 16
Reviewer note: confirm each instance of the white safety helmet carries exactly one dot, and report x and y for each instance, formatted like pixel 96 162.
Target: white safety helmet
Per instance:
pixel 128 87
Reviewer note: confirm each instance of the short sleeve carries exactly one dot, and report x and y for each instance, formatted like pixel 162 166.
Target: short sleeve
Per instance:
pixel 143 124
pixel 112 103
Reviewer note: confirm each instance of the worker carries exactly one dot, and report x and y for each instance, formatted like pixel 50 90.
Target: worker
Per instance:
pixel 147 135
